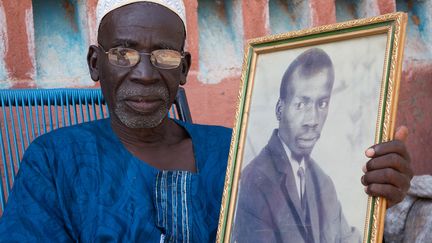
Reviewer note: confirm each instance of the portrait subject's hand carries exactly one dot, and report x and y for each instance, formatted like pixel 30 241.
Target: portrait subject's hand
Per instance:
pixel 388 172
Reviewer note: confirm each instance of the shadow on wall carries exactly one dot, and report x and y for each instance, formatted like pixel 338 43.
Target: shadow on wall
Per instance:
pixel 60 28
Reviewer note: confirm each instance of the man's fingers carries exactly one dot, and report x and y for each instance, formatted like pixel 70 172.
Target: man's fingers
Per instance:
pixel 393 194
pixel 393 160
pixel 387 176
pixel 395 146
pixel 388 172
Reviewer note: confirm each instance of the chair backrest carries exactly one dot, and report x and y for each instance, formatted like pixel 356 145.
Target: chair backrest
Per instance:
pixel 28 113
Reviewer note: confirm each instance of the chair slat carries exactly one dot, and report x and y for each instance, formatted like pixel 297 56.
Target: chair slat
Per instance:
pixel 20 127
pixel 44 125
pixel 51 125
pixel 87 109
pixel 4 186
pixel 25 122
pixel 100 108
pixel 56 114
pixel 7 152
pixel 74 111
pixel 36 107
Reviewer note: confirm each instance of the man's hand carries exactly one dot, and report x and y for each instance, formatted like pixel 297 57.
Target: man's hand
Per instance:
pixel 388 173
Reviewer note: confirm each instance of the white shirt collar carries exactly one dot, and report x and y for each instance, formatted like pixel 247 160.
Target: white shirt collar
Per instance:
pixel 295 165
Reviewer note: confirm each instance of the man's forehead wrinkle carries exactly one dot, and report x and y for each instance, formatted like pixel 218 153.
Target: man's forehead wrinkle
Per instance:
pixel 135 40
pixel 128 34
pixel 135 44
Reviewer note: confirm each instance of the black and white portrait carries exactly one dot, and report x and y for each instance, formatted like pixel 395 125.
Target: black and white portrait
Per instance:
pixel 305 142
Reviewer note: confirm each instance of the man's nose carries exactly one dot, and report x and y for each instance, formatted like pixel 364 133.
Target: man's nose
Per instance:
pixel 311 117
pixel 144 71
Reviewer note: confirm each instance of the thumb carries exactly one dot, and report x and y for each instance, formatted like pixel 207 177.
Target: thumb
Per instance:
pixel 401 133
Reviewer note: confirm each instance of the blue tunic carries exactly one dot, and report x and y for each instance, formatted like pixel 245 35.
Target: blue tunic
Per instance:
pixel 81 184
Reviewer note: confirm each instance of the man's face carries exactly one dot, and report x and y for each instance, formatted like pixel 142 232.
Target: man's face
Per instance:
pixel 140 96
pixel 303 113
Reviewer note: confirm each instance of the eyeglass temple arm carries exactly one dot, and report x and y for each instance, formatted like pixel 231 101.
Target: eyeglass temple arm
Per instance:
pixel 182 107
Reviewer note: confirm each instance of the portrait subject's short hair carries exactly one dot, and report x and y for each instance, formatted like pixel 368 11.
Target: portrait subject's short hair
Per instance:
pixel 309 63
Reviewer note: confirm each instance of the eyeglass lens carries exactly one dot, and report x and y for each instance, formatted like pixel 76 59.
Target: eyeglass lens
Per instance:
pixel 126 57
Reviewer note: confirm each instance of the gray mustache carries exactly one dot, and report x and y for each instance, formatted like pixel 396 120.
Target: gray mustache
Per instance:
pixel 159 90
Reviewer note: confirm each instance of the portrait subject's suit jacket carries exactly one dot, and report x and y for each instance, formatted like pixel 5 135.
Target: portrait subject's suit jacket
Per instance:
pixel 269 208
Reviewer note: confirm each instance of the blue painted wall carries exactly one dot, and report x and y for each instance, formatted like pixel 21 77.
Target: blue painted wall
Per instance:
pixel 419 36
pixel 220 24
pixel 60 43
pixel 288 15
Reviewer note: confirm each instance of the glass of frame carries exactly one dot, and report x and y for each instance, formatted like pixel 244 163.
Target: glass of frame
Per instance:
pixel 311 102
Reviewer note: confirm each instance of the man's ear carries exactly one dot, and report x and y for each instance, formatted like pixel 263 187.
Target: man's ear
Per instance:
pixel 92 58
pixel 186 63
pixel 278 109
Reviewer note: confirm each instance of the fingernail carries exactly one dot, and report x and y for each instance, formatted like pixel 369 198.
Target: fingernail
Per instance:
pixel 370 152
pixel 364 169
pixel 365 189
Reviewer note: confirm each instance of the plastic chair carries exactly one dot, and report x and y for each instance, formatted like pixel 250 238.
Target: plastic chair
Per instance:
pixel 28 113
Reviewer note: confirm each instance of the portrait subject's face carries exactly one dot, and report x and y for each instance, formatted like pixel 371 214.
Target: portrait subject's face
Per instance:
pixel 303 113
pixel 140 96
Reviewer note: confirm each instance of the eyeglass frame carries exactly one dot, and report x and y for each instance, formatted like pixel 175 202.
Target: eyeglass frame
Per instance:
pixel 182 56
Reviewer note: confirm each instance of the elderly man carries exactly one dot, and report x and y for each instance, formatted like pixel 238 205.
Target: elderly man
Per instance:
pixel 284 195
pixel 138 176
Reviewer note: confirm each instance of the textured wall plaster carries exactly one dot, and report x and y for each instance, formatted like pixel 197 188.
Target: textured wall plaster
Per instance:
pixel 61 43
pixel 419 31
pixel 415 111
pixel 4 83
pixel 323 12
pixel 256 20
pixel 17 59
pixel 192 38
pixel 30 42
pixel 289 15
pixel 220 24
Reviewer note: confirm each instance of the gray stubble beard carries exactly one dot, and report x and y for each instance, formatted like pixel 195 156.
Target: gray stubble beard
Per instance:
pixel 136 120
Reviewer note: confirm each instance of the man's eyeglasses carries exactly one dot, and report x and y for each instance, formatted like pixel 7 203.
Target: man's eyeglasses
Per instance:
pixel 127 57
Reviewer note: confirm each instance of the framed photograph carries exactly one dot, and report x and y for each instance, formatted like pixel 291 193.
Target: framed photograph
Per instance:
pixel 311 102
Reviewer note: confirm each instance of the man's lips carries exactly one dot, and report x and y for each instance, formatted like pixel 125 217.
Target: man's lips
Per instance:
pixel 307 141
pixel 143 104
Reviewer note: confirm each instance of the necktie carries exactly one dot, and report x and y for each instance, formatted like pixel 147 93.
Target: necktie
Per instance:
pixel 303 201
pixel 301 175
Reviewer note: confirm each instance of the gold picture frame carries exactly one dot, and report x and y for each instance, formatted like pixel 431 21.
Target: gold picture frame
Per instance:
pixel 374 45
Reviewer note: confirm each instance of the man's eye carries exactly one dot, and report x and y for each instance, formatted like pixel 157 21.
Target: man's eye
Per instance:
pixel 323 104
pixel 299 105
pixel 122 52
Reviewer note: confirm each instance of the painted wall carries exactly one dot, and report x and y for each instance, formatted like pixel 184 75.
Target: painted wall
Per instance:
pixel 43 44
pixel 3 41
pixel 60 43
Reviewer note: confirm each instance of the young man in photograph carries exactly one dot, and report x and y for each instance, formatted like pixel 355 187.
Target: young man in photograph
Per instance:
pixel 284 195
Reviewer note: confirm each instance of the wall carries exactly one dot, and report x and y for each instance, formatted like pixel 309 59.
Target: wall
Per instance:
pixel 37 35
